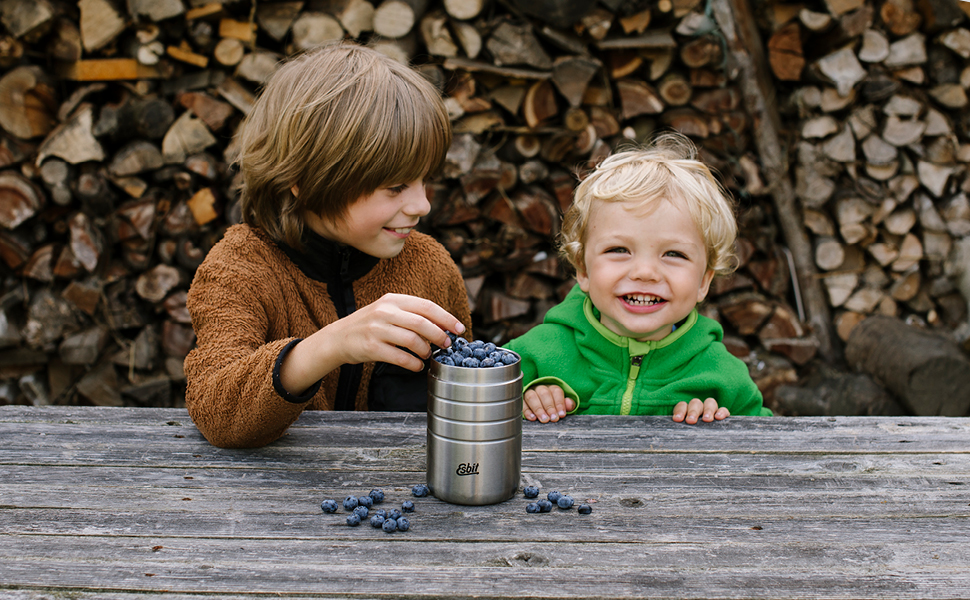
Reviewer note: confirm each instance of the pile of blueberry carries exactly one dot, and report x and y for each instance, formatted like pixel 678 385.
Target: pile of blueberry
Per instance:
pixel 563 501
pixel 360 507
pixel 474 355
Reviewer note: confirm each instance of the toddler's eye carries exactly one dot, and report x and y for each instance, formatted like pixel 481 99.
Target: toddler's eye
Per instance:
pixel 616 250
pixel 675 254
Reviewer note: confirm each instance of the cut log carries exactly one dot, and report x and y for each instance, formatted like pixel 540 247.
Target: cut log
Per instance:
pixel 512 44
pixel 86 241
pixel 395 18
pixel 539 104
pixel 27 102
pixel 155 285
pixel 926 371
pixel 436 35
pixel 100 23
pixel 20 199
pixel 785 53
pixel 243 31
pixel 312 29
pixel 571 76
pixel 464 9
pixel 187 135
pixel 638 98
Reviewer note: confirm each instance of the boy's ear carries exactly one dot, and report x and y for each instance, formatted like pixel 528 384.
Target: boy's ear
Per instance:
pixel 705 285
pixel 296 191
pixel 583 280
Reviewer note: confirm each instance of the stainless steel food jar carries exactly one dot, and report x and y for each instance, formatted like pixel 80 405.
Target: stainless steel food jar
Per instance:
pixel 474 433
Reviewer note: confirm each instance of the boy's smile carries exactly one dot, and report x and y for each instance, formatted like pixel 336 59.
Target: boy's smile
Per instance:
pixel 646 269
pixel 378 224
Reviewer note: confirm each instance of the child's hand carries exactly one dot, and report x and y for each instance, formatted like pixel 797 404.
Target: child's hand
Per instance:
pixel 546 403
pixel 707 411
pixel 380 331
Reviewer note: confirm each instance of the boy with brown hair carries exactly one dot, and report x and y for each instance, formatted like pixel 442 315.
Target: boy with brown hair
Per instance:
pixel 326 297
pixel 646 233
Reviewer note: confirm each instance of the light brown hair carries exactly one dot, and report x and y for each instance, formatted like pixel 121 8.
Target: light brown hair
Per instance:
pixel 667 170
pixel 338 123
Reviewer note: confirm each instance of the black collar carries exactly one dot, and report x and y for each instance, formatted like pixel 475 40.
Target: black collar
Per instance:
pixel 327 261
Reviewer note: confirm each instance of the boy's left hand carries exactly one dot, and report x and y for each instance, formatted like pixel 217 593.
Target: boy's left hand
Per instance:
pixel 706 411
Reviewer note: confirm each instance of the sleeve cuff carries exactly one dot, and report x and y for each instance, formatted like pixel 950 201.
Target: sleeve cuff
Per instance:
pixel 307 395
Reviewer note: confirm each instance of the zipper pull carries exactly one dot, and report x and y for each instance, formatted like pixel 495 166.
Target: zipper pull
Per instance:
pixel 635 361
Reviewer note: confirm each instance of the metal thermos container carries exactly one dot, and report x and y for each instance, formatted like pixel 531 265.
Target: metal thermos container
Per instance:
pixel 474 433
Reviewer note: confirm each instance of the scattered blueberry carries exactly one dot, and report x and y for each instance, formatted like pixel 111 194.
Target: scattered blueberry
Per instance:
pixel 381 513
pixel 350 503
pixel 361 511
pixel 584 509
pixel 407 506
pixel 565 501
pixel 376 521
pixel 544 505
pixel 530 491
pixel 365 501
pixel 328 506
pixel 420 490
pixel 553 496
pixel 403 524
pixel 353 520
pixel 394 515
pixel 389 525
pixel 532 507
pixel 377 496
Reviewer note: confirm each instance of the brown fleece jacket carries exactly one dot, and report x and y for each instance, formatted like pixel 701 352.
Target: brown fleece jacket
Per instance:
pixel 248 301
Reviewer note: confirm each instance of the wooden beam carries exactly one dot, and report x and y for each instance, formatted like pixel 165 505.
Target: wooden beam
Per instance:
pixel 737 24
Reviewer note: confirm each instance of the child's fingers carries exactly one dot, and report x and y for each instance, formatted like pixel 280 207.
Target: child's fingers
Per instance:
pixel 710 408
pixel 542 401
pixel 434 321
pixel 695 408
pixel 680 411
pixel 722 413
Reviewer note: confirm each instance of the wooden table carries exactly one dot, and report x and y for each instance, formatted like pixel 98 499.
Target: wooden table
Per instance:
pixel 114 503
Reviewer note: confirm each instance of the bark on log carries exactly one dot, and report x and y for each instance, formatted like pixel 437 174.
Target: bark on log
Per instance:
pixel 926 371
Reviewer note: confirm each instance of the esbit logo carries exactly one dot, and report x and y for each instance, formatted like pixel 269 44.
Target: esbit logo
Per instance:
pixel 467 469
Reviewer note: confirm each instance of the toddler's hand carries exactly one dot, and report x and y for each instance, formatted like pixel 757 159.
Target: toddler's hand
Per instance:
pixel 546 403
pixel 707 411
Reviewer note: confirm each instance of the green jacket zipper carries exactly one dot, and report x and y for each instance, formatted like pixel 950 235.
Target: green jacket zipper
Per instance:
pixel 631 382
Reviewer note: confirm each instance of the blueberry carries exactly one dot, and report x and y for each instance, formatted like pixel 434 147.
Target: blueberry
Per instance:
pixel 380 512
pixel 553 496
pixel 496 355
pixel 487 362
pixel 420 490
pixel 532 507
pixel 470 363
pixel 474 344
pixel 362 511
pixel 365 501
pixel 530 491
pixel 377 496
pixel 353 520
pixel 407 506
pixel 489 347
pixel 509 358
pixel 394 515
pixel 452 337
pixel 350 503
pixel 565 502
pixel 328 506
pixel 376 521
pixel 584 509
pixel 445 360
pixel 389 525
pixel 459 342
pixel 544 505
pixel 465 352
pixel 479 353
pixel 403 524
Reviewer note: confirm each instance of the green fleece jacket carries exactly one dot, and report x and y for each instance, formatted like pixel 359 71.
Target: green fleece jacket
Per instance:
pixel 608 374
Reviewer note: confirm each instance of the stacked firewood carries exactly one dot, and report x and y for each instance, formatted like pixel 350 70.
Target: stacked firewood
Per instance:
pixel 117 121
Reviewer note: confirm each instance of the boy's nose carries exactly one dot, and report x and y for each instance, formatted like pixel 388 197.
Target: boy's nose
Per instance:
pixel 417 203
pixel 644 269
